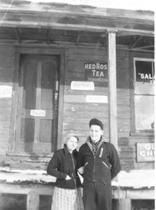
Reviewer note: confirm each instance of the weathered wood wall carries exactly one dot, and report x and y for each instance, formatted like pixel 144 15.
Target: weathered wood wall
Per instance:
pixel 6 79
pixel 76 115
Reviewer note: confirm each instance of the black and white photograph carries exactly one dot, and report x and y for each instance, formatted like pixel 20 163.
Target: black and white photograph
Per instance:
pixel 77 105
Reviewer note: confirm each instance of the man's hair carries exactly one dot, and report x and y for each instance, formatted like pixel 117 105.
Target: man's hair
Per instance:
pixel 95 121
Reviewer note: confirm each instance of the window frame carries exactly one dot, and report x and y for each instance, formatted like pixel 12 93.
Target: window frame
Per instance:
pixel 132 79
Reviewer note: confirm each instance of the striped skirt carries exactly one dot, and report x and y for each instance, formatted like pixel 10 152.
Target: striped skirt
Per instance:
pixel 67 199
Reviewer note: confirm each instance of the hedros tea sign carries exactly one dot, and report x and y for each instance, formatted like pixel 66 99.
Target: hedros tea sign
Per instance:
pixel 96 72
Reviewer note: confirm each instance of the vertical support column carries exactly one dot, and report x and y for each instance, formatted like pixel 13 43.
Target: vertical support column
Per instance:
pixel 32 201
pixel 12 144
pixel 113 135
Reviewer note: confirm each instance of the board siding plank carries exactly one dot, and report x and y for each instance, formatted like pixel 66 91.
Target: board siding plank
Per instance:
pixel 32 201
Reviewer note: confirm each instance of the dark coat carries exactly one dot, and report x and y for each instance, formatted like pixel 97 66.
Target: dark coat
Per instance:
pixel 103 167
pixel 64 163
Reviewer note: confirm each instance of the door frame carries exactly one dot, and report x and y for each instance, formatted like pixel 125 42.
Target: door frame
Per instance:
pixel 19 50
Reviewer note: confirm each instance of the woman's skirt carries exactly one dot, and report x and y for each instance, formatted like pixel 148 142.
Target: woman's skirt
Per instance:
pixel 67 199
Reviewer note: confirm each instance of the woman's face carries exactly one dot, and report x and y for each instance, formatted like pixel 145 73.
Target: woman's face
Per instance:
pixel 72 143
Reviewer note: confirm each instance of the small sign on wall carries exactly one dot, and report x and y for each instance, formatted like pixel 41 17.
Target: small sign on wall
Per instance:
pixel 145 152
pixel 96 72
pixel 37 113
pixel 5 91
pixel 96 99
pixel 80 85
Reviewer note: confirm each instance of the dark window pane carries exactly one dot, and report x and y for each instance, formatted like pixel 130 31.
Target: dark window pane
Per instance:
pixel 27 129
pixel 29 86
pixel 144 77
pixel 45 202
pixel 13 202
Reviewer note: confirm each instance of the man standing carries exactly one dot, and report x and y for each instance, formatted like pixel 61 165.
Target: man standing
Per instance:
pixel 99 162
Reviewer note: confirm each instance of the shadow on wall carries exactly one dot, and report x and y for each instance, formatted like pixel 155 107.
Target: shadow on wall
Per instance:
pixel 18 202
pixel 137 204
pixel 143 205
pixel 28 148
pixel 12 202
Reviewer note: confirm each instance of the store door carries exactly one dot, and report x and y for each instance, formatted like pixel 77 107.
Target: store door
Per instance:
pixel 37 108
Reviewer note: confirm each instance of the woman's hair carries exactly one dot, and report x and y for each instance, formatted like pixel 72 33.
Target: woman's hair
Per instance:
pixel 68 136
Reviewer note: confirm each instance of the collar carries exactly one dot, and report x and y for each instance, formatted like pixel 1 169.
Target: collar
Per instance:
pixel 66 151
pixel 96 146
pixel 94 143
pixel 102 139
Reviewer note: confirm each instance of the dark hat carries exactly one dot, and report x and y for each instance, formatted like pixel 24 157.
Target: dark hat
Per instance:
pixel 95 121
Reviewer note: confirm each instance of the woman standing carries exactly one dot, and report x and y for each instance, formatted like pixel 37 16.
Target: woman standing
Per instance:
pixel 63 166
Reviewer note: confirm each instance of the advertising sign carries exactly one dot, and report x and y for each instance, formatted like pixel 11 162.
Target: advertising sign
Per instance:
pixel 80 85
pixel 5 91
pixel 145 152
pixel 96 72
pixel 96 99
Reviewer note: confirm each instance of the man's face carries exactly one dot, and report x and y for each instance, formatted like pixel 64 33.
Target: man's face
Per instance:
pixel 95 133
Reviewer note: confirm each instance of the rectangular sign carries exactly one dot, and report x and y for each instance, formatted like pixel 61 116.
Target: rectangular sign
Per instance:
pixel 96 99
pixel 5 91
pixel 80 85
pixel 145 152
pixel 96 72
pixel 37 113
pixel 144 71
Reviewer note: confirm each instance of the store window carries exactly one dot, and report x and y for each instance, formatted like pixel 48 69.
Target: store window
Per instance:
pixel 144 74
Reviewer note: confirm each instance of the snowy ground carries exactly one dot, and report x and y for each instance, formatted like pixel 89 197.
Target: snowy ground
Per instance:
pixel 134 179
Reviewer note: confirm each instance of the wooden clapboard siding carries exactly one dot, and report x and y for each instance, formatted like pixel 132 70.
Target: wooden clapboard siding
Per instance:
pixel 147 166
pixel 5 114
pixel 6 78
pixel 6 63
pixel 88 57
pixel 78 114
pixel 5 111
pixel 122 71
pixel 23 162
pixel 127 153
pixel 141 139
pixel 85 107
pixel 74 116
pixel 74 51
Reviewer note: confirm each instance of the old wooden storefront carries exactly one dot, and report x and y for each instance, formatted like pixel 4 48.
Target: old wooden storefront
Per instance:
pixel 60 66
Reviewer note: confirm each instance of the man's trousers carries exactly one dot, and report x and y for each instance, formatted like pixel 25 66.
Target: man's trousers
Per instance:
pixel 97 196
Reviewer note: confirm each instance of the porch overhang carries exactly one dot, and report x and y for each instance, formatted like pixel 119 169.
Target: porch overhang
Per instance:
pixel 53 23
pixel 57 24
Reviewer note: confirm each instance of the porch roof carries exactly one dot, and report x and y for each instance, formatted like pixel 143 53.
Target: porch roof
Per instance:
pixel 85 24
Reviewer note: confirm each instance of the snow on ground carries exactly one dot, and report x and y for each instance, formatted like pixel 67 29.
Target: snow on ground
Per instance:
pixel 133 179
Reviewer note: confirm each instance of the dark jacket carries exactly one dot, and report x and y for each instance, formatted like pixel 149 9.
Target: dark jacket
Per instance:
pixel 64 163
pixel 104 166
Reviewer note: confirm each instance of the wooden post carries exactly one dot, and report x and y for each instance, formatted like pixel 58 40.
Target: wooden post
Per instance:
pixel 32 201
pixel 112 88
pixel 124 204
